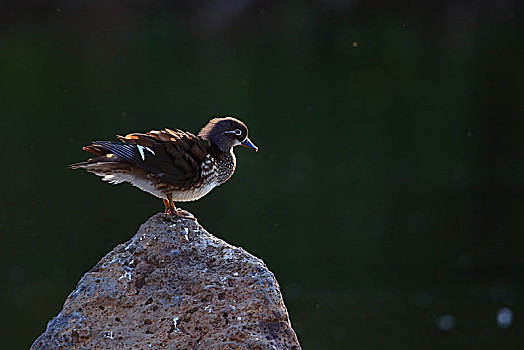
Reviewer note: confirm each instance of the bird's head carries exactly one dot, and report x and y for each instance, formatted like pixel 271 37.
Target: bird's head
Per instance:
pixel 226 133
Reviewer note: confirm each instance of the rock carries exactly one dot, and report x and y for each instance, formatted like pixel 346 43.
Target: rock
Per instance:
pixel 173 286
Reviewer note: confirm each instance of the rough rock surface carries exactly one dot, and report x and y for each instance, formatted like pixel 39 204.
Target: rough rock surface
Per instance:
pixel 173 286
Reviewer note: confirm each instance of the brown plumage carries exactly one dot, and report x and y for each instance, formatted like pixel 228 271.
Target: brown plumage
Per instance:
pixel 172 165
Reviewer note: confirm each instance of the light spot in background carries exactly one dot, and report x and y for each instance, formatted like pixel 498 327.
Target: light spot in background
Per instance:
pixel 355 43
pixel 445 322
pixel 504 317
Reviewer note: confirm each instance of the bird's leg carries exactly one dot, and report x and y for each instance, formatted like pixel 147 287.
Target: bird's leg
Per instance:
pixel 169 206
pixel 167 210
pixel 171 209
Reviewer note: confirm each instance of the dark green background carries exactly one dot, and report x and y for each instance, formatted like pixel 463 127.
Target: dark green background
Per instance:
pixel 388 190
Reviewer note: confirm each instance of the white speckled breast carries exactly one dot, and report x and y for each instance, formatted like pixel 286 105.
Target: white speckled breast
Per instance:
pixel 226 167
pixel 191 195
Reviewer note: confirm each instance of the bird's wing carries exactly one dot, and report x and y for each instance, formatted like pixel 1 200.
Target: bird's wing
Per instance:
pixel 173 156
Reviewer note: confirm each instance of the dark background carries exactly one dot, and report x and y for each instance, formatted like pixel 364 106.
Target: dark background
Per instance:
pixel 388 190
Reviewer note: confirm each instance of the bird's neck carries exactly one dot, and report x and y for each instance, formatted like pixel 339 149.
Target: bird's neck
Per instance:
pixel 217 152
pixel 218 143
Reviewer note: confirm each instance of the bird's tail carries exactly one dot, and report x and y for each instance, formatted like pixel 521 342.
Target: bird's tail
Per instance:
pixel 104 158
pixel 106 164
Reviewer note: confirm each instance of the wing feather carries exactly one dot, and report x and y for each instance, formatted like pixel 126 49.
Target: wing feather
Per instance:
pixel 173 156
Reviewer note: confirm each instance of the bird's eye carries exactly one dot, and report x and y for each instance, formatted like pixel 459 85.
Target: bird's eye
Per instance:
pixel 238 132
